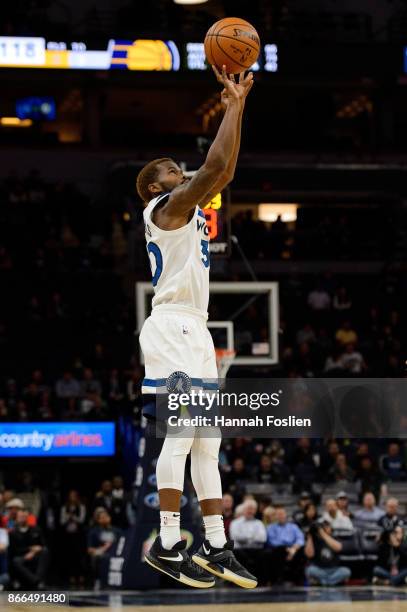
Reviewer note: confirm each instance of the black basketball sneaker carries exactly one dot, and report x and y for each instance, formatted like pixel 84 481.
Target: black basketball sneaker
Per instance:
pixel 177 564
pixel 222 563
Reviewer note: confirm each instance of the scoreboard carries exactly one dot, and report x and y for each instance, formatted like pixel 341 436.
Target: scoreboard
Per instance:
pixel 217 220
pixel 116 54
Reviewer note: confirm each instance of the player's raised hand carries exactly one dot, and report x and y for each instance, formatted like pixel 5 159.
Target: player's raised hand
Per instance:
pixel 229 84
pixel 246 82
pixel 232 88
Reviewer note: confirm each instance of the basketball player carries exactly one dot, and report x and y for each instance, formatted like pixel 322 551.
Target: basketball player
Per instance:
pixel 175 341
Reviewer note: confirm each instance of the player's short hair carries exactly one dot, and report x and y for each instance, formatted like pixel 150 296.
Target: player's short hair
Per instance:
pixel 148 175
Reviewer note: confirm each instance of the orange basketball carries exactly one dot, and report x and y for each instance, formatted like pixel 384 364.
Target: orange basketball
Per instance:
pixel 233 42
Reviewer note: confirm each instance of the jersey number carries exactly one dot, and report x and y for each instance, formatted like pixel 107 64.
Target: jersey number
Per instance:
pixel 205 253
pixel 154 249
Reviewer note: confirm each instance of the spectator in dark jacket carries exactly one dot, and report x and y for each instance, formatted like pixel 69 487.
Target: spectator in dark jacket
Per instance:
pixel 391 565
pixel 101 538
pixel 235 479
pixel 322 550
pixel 28 555
pixel 392 464
pixel 391 519
pixel 369 478
pixel 303 501
pixel 310 515
pixel 72 519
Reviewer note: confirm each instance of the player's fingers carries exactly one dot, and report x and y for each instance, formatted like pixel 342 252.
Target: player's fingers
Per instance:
pixel 241 77
pixel 232 78
pixel 217 74
pixel 224 73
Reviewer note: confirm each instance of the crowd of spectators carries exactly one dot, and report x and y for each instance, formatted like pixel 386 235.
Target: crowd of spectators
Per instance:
pixel 83 528
pixel 336 531
pixel 341 523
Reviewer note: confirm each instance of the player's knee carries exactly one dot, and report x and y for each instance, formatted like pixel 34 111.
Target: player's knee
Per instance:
pixel 208 446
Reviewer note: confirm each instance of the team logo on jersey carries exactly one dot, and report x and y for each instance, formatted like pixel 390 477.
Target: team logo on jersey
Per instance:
pixel 148 230
pixel 185 329
pixel 178 382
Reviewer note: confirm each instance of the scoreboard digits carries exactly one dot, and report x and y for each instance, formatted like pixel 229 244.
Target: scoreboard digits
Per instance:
pixel 216 214
pixel 22 51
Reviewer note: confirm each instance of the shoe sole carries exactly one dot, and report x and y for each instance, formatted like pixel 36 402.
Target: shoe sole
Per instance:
pixel 181 578
pixel 245 583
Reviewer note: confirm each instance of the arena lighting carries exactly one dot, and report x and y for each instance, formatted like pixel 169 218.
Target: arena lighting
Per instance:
pixel 270 212
pixel 190 1
pixel 15 122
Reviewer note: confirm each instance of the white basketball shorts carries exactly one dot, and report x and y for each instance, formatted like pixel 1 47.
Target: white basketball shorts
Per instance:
pixel 176 339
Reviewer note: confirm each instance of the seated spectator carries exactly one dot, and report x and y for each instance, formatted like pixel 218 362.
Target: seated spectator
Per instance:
pixel 227 511
pixel 236 478
pixel 4 543
pixel 72 519
pixel 342 501
pixel 392 464
pixel 345 334
pixel 341 301
pixel 10 517
pixel 249 535
pixel 335 517
pixel 319 299
pixel 101 538
pixel 303 464
pixel 104 497
pixel 391 518
pixel 341 471
pixel 67 387
pixel 269 515
pixel 333 362
pixel 352 360
pixel 89 384
pixel 303 501
pixel 322 550
pixel 391 565
pixel 369 477
pixel 285 542
pixel 369 513
pixel 329 456
pixel 27 553
pixel 306 334
pixel 361 451
pixel 114 501
pixel 263 502
pixel 247 531
pixel 123 512
pixel 265 470
pixel 310 515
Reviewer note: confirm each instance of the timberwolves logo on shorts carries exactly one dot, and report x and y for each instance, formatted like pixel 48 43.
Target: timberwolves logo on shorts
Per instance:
pixel 178 382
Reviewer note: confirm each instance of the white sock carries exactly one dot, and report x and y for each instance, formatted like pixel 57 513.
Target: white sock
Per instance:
pixel 215 530
pixel 170 531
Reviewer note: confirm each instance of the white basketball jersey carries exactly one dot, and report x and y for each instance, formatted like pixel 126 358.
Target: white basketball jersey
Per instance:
pixel 179 260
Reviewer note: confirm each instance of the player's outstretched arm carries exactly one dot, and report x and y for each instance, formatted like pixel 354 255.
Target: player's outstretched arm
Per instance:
pixel 245 83
pixel 186 196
